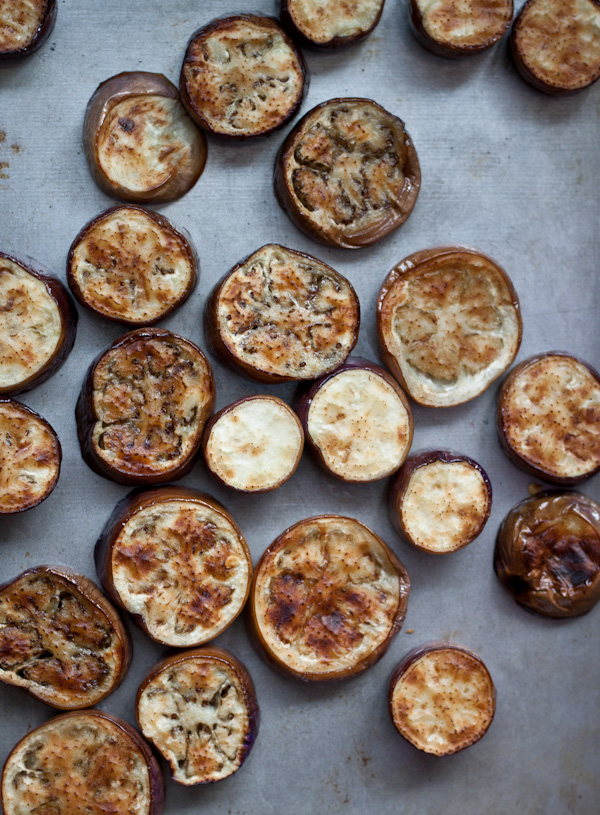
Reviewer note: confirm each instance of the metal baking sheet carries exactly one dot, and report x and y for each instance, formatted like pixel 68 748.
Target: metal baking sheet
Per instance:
pixel 505 169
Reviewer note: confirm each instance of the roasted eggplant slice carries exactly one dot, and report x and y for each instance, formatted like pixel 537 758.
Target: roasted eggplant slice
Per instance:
pixel 177 562
pixel 348 173
pixel 449 324
pixel 25 25
pixel 143 406
pixel 132 265
pixel 281 315
pixel 442 698
pixel 327 599
pixel 325 24
pixel 139 142
pixel 82 763
pixel 60 638
pixel 242 77
pixel 458 29
pixel 199 710
pixel 38 323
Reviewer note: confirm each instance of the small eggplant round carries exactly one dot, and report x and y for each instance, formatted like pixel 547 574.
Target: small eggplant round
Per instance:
pixel 242 77
pixel 200 712
pixel 440 501
pixel 38 324
pixel 132 265
pixel 548 554
pixel 441 698
pixel 357 421
pixel 61 640
pixel 334 24
pixel 25 25
pixel 549 418
pixel 83 762
pixel 321 624
pixel 455 30
pixel 139 142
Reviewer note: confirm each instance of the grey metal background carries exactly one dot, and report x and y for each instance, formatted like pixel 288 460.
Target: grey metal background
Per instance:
pixel 505 169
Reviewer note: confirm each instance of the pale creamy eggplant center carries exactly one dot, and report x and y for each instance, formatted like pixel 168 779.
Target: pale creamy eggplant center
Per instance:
pixel 19 22
pixel 322 20
pixel 465 22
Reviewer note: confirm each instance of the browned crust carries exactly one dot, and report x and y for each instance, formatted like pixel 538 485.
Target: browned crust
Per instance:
pixel 303 39
pixel 448 49
pixel 41 35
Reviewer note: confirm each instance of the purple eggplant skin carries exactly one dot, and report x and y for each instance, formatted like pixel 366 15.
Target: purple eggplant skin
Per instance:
pixel 40 37
pixel 332 45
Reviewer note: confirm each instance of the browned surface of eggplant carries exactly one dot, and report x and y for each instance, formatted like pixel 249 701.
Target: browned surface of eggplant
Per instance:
pixel 325 24
pixel 457 28
pixel 24 26
pixel 441 698
pixel 281 315
pixel 143 407
pixel 140 144
pixel 328 597
pixel 38 323
pixel 132 265
pixel 548 554
pixel 242 76
pixel 177 562
pixel 449 324
pixel 556 44
pixel 348 173
pixel 82 763
pixel 60 638
pixel 199 710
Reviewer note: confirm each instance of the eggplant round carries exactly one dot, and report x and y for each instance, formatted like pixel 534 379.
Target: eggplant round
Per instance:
pixel 326 24
pixel 549 418
pixel 80 763
pixel 548 554
pixel 132 265
pixel 281 315
pixel 199 710
pixel 25 25
pixel 140 144
pixel 357 421
pixel 440 501
pixel 242 77
pixel 143 407
pixel 61 640
pixel 176 561
pixel 327 599
pixel 441 698
pixel 458 29
pixel 449 324
pixel 38 323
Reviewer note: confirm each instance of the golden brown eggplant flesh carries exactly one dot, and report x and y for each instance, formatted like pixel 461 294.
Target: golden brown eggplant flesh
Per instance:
pixel 458 28
pixel 327 24
pixel 25 25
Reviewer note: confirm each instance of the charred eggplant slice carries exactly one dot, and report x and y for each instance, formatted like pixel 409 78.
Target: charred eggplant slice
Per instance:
pixel 25 25
pixel 449 324
pixel 327 599
pixel 143 407
pixel 199 710
pixel 325 24
pixel 458 29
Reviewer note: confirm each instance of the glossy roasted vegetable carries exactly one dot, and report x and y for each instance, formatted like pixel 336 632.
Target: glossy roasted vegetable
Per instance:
pixel 458 28
pixel 328 24
pixel 25 25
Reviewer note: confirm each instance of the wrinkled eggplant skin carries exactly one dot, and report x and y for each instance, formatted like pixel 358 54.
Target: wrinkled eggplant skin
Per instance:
pixel 417 27
pixel 332 45
pixel 42 34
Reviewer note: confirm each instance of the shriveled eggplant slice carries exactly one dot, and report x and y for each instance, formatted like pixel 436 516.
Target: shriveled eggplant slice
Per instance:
pixel 348 173
pixel 327 599
pixel 177 562
pixel 38 323
pixel 440 501
pixel 242 76
pixel 132 265
pixel 199 710
pixel 449 324
pixel 140 143
pixel 82 763
pixel 325 24
pixel 60 638
pixel 457 28
pixel 549 418
pixel 556 44
pixel 25 25
pixel 281 315
pixel 442 698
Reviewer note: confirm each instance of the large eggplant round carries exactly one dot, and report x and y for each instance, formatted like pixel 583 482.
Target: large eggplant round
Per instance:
pixel 324 26
pixel 451 29
pixel 25 25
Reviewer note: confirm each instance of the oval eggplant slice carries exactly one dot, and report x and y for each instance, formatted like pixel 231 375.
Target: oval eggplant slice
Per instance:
pixel 132 265
pixel 458 28
pixel 449 324
pixel 177 562
pixel 556 44
pixel 325 24
pixel 549 418
pixel 143 407
pixel 440 501
pixel 281 315
pixel 25 25
pixel 60 638
pixel 38 323
pixel 348 173
pixel 327 599
pixel 242 77
pixel 81 763
pixel 548 554
pixel 139 142
pixel 199 710
pixel 442 698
